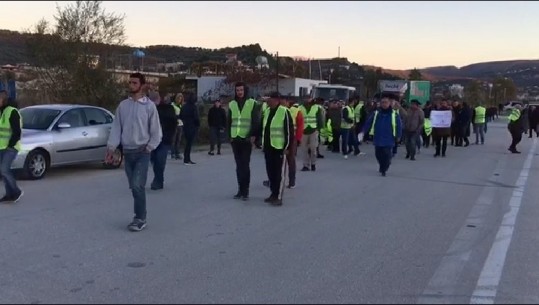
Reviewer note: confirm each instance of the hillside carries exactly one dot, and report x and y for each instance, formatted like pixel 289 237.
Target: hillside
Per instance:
pixel 525 73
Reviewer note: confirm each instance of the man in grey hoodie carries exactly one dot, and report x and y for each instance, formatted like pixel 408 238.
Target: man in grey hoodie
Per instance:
pixel 136 127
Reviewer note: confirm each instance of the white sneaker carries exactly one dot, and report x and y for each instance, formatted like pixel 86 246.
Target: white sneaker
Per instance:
pixel 346 156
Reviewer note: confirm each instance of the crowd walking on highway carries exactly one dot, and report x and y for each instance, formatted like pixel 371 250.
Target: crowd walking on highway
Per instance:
pixel 149 127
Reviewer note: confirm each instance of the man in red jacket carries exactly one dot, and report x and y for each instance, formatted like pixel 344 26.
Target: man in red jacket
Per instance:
pixel 297 118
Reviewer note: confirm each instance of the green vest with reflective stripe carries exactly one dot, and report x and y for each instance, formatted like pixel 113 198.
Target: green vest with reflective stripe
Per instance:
pixel 276 127
pixel 5 128
pixel 310 118
pixel 264 107
pixel 177 111
pixel 241 121
pixel 428 127
pixel 515 115
pixel 480 115
pixel 393 123
pixel 344 124
pixel 357 112
pixel 327 132
pixel 294 113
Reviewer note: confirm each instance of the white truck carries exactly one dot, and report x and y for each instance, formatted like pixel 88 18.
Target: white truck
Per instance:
pixel 331 91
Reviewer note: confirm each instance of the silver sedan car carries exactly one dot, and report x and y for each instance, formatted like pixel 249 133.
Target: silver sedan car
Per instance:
pixel 54 135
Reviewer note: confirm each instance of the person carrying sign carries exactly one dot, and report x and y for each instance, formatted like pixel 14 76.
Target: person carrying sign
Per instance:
pixel 441 134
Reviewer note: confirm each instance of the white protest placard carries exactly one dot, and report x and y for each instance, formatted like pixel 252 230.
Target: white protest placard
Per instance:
pixel 441 119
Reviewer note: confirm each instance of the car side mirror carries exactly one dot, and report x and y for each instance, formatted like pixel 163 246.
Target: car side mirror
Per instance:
pixel 64 125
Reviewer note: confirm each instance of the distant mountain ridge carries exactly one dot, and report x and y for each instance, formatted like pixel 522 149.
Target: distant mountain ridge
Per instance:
pixel 525 73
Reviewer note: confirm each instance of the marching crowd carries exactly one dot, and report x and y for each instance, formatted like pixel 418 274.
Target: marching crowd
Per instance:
pixel 148 127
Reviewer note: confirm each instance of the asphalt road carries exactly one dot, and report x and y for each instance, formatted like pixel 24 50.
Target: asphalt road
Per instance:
pixel 433 230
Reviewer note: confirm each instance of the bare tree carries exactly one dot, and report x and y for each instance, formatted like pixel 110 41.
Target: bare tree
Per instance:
pixel 71 55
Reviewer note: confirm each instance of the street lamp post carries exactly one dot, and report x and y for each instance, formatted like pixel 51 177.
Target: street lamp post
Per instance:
pixel 330 72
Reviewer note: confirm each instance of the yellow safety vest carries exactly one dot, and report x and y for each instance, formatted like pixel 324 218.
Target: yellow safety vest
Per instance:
pixel 357 112
pixel 427 126
pixel 276 127
pixel 515 115
pixel 393 123
pixel 310 118
pixel 241 121
pixel 344 124
pixel 5 128
pixel 480 115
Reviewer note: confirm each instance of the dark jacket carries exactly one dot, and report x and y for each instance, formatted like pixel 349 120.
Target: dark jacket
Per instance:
pixel 217 117
pixel 190 118
pixel 169 122
pixel 334 114
pixel 383 128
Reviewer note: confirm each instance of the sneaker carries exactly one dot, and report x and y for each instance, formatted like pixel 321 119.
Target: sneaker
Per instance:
pixel 137 225
pixel 320 156
pixel 5 199
pixel 17 197
pixel 218 152
pixel 362 154
pixel 211 153
pixel 292 186
pixel 407 156
pixel 305 169
pixel 313 168
pixel 412 159
pixel 245 197
pixel 345 156
pixel 383 174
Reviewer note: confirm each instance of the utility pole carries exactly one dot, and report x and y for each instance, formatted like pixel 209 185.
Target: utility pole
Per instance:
pixel 277 69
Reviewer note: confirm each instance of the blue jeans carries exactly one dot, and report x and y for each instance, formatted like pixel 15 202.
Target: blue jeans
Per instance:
pixel 383 155
pixel 136 169
pixel 349 140
pixel 479 130
pixel 6 159
pixel 159 160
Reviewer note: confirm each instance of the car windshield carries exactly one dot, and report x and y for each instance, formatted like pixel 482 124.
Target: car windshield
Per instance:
pixel 332 93
pixel 38 118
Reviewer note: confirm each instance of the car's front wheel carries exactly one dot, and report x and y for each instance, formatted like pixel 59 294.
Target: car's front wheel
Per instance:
pixel 36 165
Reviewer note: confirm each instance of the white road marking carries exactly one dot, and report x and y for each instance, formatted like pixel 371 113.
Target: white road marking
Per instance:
pixel 489 279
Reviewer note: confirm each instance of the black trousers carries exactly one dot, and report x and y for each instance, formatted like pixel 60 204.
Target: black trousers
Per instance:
pixel 189 140
pixel 275 168
pixel 516 135
pixel 242 149
pixel 335 147
pixel 441 144
pixel 383 156
pixel 216 137
pixel 426 139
